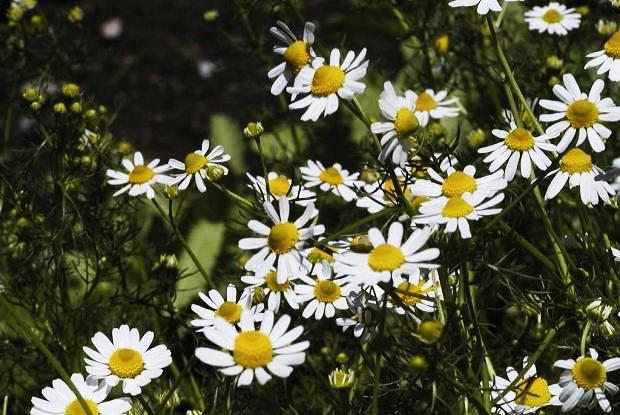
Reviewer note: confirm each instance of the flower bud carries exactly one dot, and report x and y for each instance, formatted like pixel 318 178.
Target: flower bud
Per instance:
pixel 91 113
pixel 71 90
pixel 342 358
pixel 476 138
pixel 36 20
pixel 341 379
pixel 76 107
pixel 253 130
pixel 369 175
pixel 258 295
pixel 35 106
pixel 553 62
pixel 211 15
pixel 554 80
pixel 583 10
pixel 172 191
pixel 124 148
pixel 76 14
pixel 317 255
pixel 442 44
pixel 30 94
pixel 60 108
pixel 215 173
pixel 598 311
pixel 361 244
pixel 430 331
pixel 606 27
pixel 418 363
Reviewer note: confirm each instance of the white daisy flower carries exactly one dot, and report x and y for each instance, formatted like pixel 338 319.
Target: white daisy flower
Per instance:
pixel 616 253
pixel 578 112
pixel 230 309
pixel 555 19
pixel 518 148
pixel 608 59
pixel 387 259
pixel 456 211
pixel 60 400
pixel 273 290
pixel 412 288
pixel 281 186
pixel 324 295
pixel 577 169
pixel 196 165
pixel 483 6
pixel 458 182
pixel 325 83
pixel 140 178
pixel 429 104
pixel 333 179
pixel 282 243
pixel 270 347
pixel 584 382
pixel 297 54
pixel 127 359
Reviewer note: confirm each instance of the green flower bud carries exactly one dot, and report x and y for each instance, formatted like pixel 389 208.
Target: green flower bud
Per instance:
pixel 30 94
pixel 253 130
pixel 76 14
pixel 361 244
pixel 553 62
pixel 35 106
pixel 90 114
pixel 211 15
pixel 215 173
pixel 430 331
pixel 341 379
pixel 342 358
pixel 60 108
pixel 36 20
pixel 71 90
pixel 76 107
pixel 418 363
pixel 172 192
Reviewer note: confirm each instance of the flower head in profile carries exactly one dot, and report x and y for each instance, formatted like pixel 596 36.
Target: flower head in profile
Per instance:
pixel 196 164
pixel 139 178
pixel 607 60
pixel 332 179
pixel 231 308
pixel 281 186
pixel 482 6
pixel 555 19
pixel 417 291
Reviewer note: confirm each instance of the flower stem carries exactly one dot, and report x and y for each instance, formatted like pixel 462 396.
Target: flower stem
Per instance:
pixel 584 337
pixel 262 162
pixel 145 405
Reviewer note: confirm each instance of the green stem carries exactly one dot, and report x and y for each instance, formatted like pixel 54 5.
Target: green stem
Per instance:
pixel 584 337
pixel 145 405
pixel 179 377
pixel 509 231
pixel 8 122
pixel 262 162
pixel 377 374
pixel 354 226
pixel 239 200
pixel 5 405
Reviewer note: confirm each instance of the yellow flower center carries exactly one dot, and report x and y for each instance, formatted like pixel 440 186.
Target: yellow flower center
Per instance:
pixel 409 292
pixel 332 176
pixel 194 162
pixel 272 282
pixel 280 186
pixel 230 312
pixel 74 408
pixel 317 255
pixel 458 183
pixel 327 80
pixel 297 55
pixel 553 16
pixel 425 102
pixel 252 349
pixel 456 207
pixel 126 363
pixel 140 174
pixel 612 46
pixel 283 237
pixel 385 257
pixel 326 291
pixel 361 244
pixel 406 122
pixel 589 373
pixel 390 194
pixel 582 114
pixel 576 161
pixel 533 392
pixel 519 139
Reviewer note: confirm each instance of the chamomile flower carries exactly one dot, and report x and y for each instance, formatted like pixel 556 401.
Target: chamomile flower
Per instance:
pixel 297 54
pixel 139 178
pixel 273 290
pixel 231 308
pixel 616 254
pixel 518 148
pixel 577 112
pixel 417 291
pixel 333 179
pixel 483 6
pixel 456 211
pixel 577 169
pixel 249 352
pixel 555 19
pixel 323 83
pixel 458 182
pixel 196 165
pixel 382 194
pixel 584 381
pixel 608 59
pixel 324 295
pixel 281 186
pixel 387 258
pixel 282 243
pixel 60 400
pixel 429 104
pixel 128 358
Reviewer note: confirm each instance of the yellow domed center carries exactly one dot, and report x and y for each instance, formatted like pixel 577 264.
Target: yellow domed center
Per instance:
pixel 271 280
pixel 332 176
pixel 589 373
pixel 458 183
pixel 317 255
pixel 327 80
pixel 405 122
pixel 326 291
pixel 194 162
pixel 280 186
pixel 612 46
pixel 230 312
pixel 582 114
pixel 390 194
pixel 140 174
pixel 126 363
pixel 576 161
pixel 361 244
pixel 409 292
pixel 533 392
pixel 297 55
pixel 252 349
pixel 519 139
pixel 553 16
pixel 425 102
pixel 283 237
pixel 74 408
pixel 456 207
pixel 385 257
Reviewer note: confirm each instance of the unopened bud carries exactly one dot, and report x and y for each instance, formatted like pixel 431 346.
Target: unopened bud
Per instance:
pixel 361 244
pixel 71 90
pixel 76 107
pixel 215 173
pixel 598 311
pixel 553 62
pixel 172 191
pixel 418 363
pixel 30 94
pixel 76 14
pixel 430 331
pixel 342 358
pixel 60 108
pixel 211 15
pixel 253 130
pixel 442 44
pixel 341 379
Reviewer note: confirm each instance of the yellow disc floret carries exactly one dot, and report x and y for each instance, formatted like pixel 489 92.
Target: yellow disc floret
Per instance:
pixel 553 16
pixel 140 174
pixel 75 408
pixel 327 80
pixel 589 373
pixel 317 255
pixel 576 161
pixel 385 257
pixel 582 114
pixel 126 363
pixel 612 46
pixel 280 186
pixel 533 392
pixel 405 122
pixel 519 139
pixel 425 102
pixel 458 183
pixel 252 349
pixel 297 55
pixel 409 292
pixel 194 162
pixel 326 291
pixel 332 176
pixel 230 312
pixel 271 280
pixel 283 237
pixel 456 207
